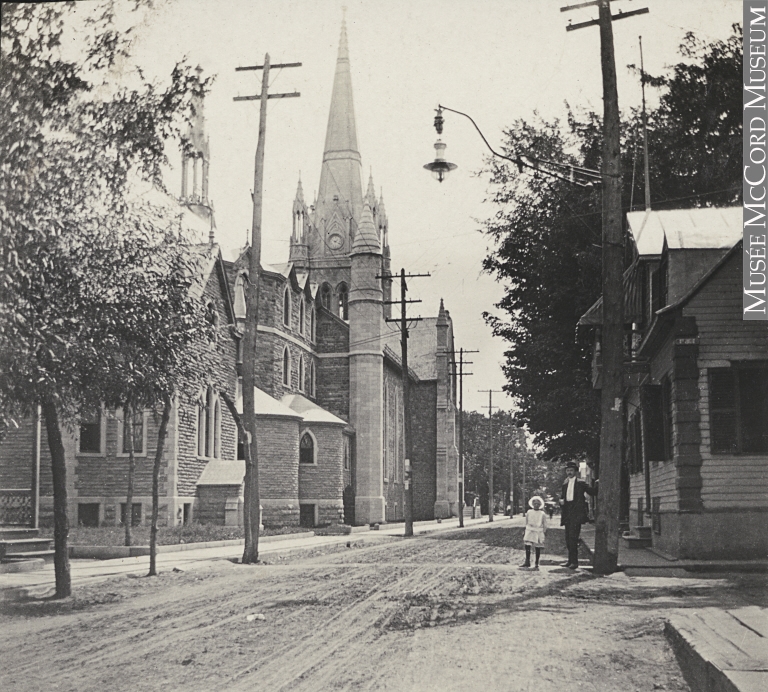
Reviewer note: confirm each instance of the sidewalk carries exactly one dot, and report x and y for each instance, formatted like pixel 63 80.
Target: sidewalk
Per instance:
pixel 719 650
pixel 646 562
pixel 41 583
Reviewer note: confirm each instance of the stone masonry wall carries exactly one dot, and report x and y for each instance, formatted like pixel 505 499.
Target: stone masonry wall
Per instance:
pixel 323 484
pixel 423 429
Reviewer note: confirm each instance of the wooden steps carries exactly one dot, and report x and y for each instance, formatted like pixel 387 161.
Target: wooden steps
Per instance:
pixel 639 537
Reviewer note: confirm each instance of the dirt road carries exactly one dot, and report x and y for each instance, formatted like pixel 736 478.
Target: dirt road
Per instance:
pixel 447 612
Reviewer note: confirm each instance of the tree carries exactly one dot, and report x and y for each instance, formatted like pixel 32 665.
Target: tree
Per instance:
pixel 511 454
pixel 70 145
pixel 548 235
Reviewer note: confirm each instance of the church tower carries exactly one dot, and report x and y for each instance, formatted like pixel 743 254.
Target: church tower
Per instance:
pixel 366 371
pixel 337 210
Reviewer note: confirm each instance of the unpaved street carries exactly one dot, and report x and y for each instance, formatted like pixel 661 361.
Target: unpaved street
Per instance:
pixel 447 612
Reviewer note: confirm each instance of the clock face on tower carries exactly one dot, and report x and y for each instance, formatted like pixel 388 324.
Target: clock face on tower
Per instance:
pixel 335 241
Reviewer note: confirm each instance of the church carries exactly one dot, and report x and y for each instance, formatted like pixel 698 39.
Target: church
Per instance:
pixel 329 393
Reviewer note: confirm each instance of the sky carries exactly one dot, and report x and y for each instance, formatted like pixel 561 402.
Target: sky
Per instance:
pixel 497 60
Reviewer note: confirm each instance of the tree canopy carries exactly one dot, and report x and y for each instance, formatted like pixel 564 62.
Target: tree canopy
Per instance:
pixel 547 233
pixel 95 281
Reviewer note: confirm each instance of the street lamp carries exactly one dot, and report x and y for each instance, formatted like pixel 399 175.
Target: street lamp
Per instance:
pixel 440 168
pixel 576 175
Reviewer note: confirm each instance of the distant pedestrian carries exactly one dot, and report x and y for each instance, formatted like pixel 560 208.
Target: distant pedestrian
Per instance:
pixel 574 511
pixel 536 525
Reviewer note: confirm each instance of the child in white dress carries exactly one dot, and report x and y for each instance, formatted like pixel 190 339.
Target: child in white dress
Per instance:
pixel 536 525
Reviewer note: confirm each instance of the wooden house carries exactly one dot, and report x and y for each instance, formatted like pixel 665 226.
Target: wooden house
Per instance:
pixel 695 471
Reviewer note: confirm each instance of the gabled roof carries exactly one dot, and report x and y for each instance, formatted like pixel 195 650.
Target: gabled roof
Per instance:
pixel 309 410
pixel 704 228
pixel 223 472
pixel 422 347
pixel 265 405
pixel 702 281
pixel 210 260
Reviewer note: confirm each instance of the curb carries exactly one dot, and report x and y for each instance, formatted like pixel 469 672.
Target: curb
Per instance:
pixel 108 552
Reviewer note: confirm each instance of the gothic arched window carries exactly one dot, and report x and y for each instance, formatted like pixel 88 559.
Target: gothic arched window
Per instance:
pixel 301 315
pixel 286 367
pixel 325 296
pixel 287 306
pixel 343 294
pixel 312 324
pixel 307 449
pixel 240 297
pixel 301 373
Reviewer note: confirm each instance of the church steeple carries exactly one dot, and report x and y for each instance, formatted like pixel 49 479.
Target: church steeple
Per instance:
pixel 340 195
pixel 299 251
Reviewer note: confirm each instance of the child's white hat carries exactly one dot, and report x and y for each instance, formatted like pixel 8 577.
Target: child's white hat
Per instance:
pixel 535 497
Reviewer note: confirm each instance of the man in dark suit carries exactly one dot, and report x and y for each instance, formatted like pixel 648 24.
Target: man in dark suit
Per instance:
pixel 574 511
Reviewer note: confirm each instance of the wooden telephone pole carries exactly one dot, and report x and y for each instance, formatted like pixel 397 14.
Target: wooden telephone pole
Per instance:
pixel 403 320
pixel 461 374
pixel 490 435
pixel 611 406
pixel 252 497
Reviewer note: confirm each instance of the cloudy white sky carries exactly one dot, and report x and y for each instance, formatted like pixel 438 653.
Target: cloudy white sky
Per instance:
pixel 497 60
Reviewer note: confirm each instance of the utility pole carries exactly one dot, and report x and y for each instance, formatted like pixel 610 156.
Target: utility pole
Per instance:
pixel 461 375
pixel 607 521
pixel 490 433
pixel 403 320
pixel 645 133
pixel 252 498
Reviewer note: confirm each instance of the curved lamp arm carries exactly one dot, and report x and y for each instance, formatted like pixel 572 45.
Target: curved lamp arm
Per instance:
pixel 591 175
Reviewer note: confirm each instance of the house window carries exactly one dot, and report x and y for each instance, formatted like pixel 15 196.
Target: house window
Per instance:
pixel 738 408
pixel 325 296
pixel 301 315
pixel 88 514
pixel 135 513
pixel 652 399
pixel 343 294
pixel 287 307
pixel 138 434
pixel 634 445
pixel 90 431
pixel 307 449
pixel 286 367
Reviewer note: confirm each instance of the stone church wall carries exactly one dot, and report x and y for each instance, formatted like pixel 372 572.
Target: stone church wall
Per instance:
pixel 323 484
pixel 278 448
pixel 424 431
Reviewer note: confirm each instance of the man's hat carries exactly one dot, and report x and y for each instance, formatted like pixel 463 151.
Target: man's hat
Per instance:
pixel 571 465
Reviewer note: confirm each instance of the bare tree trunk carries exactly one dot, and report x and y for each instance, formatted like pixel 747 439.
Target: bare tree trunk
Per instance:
pixel 156 485
pixel 60 520
pixel 128 431
pixel 250 526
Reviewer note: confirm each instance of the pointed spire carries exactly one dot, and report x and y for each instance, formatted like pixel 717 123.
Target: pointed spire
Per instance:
pixel 298 201
pixel 442 315
pixel 370 195
pixel 340 180
pixel 366 238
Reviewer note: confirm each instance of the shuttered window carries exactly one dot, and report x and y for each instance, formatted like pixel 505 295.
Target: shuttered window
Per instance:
pixel 738 408
pixel 653 417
